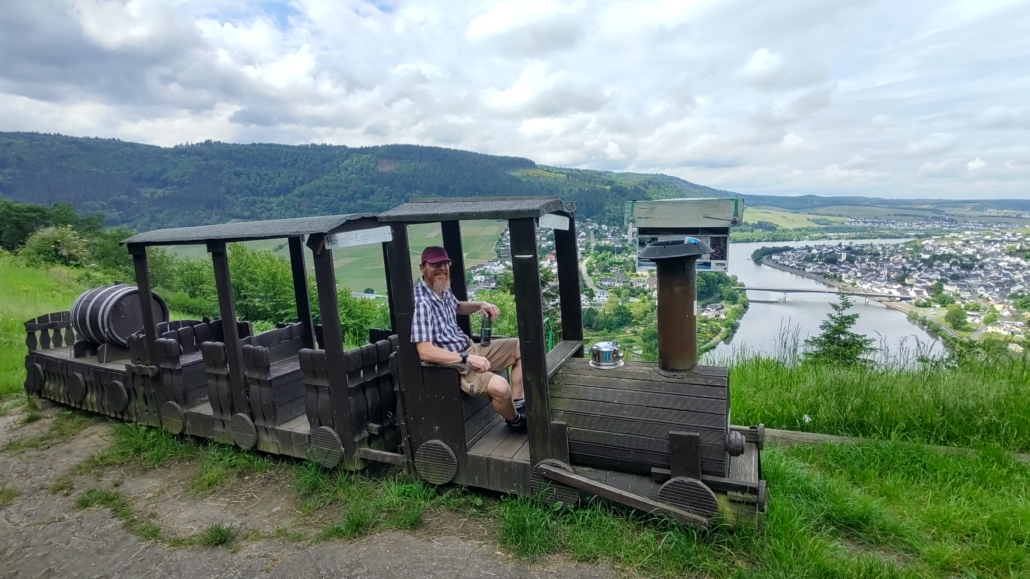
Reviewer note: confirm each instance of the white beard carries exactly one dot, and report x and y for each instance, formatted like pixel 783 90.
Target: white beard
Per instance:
pixel 440 286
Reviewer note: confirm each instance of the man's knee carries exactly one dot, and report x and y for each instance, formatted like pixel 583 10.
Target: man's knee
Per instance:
pixel 498 388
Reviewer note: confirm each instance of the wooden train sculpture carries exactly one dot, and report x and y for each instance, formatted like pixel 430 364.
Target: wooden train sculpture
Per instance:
pixel 655 437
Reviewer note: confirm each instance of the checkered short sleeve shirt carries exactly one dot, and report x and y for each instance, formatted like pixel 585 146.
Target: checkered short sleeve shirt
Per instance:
pixel 436 319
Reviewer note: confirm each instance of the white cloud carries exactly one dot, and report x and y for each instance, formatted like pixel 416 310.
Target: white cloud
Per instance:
pixel 976 163
pixel 791 97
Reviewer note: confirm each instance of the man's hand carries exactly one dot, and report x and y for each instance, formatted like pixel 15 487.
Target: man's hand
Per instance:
pixel 489 310
pixel 478 363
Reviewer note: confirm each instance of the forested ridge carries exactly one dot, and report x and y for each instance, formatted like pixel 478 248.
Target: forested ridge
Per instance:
pixel 147 187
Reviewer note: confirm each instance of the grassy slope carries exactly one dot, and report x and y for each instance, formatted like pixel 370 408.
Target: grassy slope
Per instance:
pixel 26 293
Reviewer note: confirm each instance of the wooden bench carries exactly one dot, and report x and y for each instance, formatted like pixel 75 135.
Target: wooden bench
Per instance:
pixel 274 380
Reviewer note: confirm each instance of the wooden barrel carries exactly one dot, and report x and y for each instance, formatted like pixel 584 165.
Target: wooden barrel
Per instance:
pixel 111 314
pixel 620 418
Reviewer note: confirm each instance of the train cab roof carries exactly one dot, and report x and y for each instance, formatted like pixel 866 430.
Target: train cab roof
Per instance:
pixel 251 230
pixel 461 209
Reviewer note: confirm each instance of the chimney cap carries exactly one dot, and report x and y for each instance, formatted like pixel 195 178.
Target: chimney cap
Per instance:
pixel 688 247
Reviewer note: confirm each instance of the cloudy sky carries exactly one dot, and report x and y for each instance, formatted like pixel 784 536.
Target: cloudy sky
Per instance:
pixel 918 98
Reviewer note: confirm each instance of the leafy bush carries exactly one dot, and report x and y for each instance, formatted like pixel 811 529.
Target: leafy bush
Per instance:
pixel 56 246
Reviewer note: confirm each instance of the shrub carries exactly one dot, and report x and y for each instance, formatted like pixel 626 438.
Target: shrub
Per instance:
pixel 56 246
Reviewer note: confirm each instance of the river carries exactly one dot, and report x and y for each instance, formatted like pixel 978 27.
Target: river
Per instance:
pixel 770 315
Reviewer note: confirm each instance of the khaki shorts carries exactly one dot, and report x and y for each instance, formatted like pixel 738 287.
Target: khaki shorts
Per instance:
pixel 500 353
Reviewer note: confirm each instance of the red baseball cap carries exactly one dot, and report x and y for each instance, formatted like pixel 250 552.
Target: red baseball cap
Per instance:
pixel 434 254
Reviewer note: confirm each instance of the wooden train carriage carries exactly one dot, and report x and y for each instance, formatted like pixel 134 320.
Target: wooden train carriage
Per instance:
pixel 265 391
pixel 657 443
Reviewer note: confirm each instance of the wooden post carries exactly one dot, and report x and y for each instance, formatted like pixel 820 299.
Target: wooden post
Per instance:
pixel 332 340
pixel 139 263
pixel 567 256
pixel 408 361
pixel 231 335
pixel 451 231
pixel 300 291
pixel 389 294
pixel 525 266
pixel 685 454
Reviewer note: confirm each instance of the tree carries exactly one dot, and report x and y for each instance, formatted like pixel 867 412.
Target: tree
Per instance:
pixel 956 317
pixel 589 316
pixel 937 288
pixel 837 344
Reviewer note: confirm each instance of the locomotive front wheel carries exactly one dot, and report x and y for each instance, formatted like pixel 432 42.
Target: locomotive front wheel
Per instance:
pixel 690 495
pixel 553 492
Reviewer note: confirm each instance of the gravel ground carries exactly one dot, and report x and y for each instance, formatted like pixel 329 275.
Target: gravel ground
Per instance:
pixel 44 534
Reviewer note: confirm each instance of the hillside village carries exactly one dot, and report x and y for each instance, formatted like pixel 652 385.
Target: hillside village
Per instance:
pixel 981 270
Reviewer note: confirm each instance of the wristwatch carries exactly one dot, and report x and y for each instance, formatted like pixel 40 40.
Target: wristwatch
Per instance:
pixel 464 356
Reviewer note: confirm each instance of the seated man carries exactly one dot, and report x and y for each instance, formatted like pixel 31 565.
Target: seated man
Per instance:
pixel 439 340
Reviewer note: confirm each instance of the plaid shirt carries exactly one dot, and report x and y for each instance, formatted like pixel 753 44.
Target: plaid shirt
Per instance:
pixel 436 319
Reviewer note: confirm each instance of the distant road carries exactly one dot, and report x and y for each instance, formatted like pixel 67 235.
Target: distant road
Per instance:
pixel 583 266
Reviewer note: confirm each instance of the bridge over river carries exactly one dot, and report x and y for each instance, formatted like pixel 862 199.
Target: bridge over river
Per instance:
pixel 784 290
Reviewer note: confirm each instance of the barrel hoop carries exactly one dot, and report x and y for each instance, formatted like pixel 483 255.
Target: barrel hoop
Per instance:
pixel 119 293
pixel 79 308
pixel 88 306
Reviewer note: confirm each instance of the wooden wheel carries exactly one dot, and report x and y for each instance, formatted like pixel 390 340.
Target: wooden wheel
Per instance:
pixel 324 447
pixel 552 492
pixel 116 396
pixel 690 495
pixel 173 419
pixel 76 388
pixel 244 434
pixel 435 462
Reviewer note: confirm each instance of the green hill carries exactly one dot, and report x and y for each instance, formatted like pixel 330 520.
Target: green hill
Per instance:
pixel 148 187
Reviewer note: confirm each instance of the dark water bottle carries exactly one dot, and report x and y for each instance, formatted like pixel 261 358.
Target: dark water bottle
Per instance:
pixel 485 331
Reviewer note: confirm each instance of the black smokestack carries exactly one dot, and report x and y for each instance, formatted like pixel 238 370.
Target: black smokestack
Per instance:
pixel 677 297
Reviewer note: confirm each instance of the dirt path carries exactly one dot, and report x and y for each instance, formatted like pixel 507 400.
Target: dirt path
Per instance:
pixel 44 534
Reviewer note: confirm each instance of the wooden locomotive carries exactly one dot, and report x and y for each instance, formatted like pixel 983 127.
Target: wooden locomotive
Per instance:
pixel 652 437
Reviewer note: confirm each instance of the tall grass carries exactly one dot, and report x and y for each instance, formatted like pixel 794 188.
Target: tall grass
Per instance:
pixel 876 509
pixel 26 293
pixel 973 397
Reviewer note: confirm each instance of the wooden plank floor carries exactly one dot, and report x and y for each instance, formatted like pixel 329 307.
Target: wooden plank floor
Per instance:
pixel 65 353
pixel 499 461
